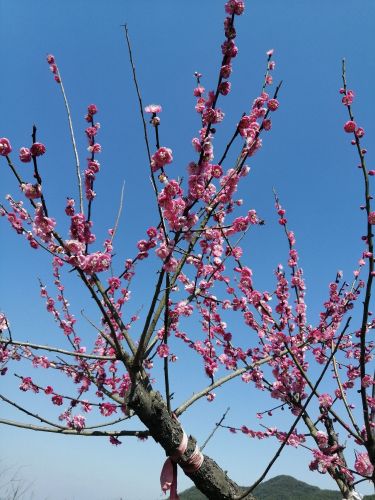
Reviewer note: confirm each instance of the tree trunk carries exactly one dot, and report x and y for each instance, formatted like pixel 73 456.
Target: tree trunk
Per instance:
pixel 210 479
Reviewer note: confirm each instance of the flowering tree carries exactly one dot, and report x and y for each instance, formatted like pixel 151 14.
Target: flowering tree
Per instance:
pixel 202 278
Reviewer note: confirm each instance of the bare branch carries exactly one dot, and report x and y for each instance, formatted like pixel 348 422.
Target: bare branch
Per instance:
pixel 55 349
pixel 74 432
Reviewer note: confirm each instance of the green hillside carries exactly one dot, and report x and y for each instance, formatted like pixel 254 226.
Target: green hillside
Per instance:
pixel 281 488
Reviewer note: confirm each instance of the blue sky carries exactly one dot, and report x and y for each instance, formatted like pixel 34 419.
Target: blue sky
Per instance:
pixel 306 156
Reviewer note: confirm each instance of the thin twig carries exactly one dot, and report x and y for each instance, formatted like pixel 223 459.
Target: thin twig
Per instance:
pixel 78 171
pixel 119 212
pixel 217 425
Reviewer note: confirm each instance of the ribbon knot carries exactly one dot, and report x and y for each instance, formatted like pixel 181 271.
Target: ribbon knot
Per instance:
pixel 168 476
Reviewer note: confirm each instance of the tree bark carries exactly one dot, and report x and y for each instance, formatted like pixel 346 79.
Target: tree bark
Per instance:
pixel 166 430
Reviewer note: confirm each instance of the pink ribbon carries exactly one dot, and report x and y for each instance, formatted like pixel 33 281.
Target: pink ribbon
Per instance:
pixel 168 476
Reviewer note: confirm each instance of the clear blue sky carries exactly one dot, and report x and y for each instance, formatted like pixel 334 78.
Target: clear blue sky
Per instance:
pixel 306 156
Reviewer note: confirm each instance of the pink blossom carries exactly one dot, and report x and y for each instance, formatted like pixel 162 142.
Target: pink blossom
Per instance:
pixel 114 283
pixel 114 440
pixel 226 71
pixel 210 396
pixel 348 98
pixel 235 7
pixel 152 232
pixel 106 409
pixel 92 109
pixel 363 465
pixel 371 218
pixel 224 88
pixel 163 350
pixel 50 59
pixel 48 390
pixel 95 148
pixel 163 156
pixel 367 381
pixel 91 131
pixel 325 400
pixel 57 400
pixel 37 149
pixel 360 132
pixel 96 262
pixel 32 191
pixel 322 439
pixel 153 108
pixel 198 91
pixel 267 124
pixel 5 147
pixel 78 422
pixel 211 115
pixel 74 246
pixel 43 226
pixel 3 322
pixel 350 126
pixel 27 384
pixel 216 171
pixel 229 49
pixel 270 52
pixel 25 155
pixel 273 104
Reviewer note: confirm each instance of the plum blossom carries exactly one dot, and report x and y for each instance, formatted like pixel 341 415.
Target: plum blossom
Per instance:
pixel 32 191
pixel 106 409
pixel 3 322
pixel 348 98
pixel 43 226
pixel 163 350
pixel 5 147
pixel 153 108
pixel 25 155
pixel 325 400
pixel 371 218
pixel 78 422
pixel 350 126
pixel 37 149
pixel 162 157
pixel 92 109
pixel 27 384
pixel 57 400
pixel 273 104
pixel 235 7
pixel 363 465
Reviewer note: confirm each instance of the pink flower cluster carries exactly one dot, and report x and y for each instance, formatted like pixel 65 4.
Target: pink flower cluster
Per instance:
pixel 80 229
pixel 171 201
pixel 350 126
pixel 43 226
pixel 36 149
pixel 53 67
pixel 93 166
pixel 363 465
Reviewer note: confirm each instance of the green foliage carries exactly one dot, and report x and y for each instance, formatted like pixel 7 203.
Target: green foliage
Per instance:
pixel 281 488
